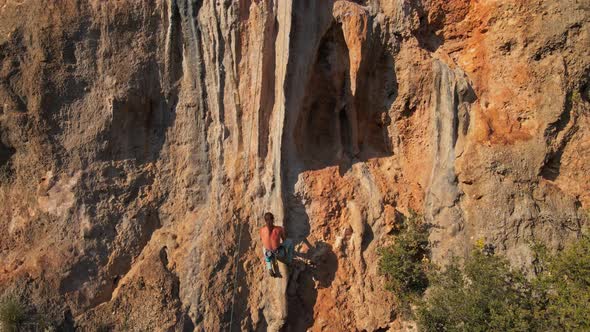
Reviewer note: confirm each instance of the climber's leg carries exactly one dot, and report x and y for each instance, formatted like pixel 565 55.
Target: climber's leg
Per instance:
pixel 285 252
pixel 269 264
pixel 267 254
pixel 289 249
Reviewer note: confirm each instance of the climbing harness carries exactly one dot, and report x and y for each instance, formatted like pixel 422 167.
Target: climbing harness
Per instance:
pixel 279 252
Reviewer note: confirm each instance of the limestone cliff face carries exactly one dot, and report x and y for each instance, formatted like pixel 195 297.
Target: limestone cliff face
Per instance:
pixel 141 141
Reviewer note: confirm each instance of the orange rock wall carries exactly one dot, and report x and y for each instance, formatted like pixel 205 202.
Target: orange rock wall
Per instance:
pixel 141 142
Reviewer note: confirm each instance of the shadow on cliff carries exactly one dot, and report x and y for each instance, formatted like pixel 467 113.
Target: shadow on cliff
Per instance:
pixel 344 119
pixel 140 120
pixel 326 133
pixel 315 271
pixel 241 307
pixel 335 127
pixel 141 111
pixel 432 20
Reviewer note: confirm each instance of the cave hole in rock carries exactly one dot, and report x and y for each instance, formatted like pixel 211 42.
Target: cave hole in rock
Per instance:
pixel 323 130
pixel 6 153
pixel 138 127
pixel 142 113
pixel 129 128
pixel 337 125
pixel 551 168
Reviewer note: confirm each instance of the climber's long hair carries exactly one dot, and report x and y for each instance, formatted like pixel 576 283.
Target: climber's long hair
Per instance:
pixel 269 220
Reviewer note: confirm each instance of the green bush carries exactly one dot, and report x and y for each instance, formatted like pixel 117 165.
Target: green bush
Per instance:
pixel 405 263
pixel 12 313
pixel 576 96
pixel 564 283
pixel 486 294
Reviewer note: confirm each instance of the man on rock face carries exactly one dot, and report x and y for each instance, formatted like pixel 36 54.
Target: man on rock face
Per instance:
pixel 275 244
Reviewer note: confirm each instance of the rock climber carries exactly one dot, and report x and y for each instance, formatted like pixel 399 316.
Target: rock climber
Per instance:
pixel 275 244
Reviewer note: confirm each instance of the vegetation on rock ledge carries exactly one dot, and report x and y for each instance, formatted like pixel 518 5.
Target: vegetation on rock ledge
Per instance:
pixel 405 262
pixel 484 293
pixel 12 314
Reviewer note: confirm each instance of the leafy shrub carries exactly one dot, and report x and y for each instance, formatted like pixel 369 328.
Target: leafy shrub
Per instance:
pixel 15 315
pixel 486 294
pixel 405 263
pixel 576 96
pixel 12 313
pixel 564 283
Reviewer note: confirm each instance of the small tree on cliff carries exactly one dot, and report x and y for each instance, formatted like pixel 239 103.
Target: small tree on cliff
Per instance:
pixel 405 263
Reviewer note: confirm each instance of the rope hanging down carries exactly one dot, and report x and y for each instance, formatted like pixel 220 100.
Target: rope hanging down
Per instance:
pixel 246 176
pixel 247 172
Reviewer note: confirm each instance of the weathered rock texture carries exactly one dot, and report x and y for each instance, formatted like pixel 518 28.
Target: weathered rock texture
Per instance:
pixel 141 141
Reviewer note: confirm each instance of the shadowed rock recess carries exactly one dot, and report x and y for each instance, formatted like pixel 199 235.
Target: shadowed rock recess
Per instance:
pixel 141 142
